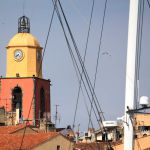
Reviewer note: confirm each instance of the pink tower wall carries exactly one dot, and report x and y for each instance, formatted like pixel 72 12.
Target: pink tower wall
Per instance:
pixel 45 84
pixel 27 86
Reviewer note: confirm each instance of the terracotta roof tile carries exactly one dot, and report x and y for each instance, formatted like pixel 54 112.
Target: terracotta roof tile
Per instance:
pixel 10 129
pixel 90 146
pixel 13 141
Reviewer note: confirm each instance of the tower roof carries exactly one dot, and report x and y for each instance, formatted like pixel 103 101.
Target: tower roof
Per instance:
pixel 23 39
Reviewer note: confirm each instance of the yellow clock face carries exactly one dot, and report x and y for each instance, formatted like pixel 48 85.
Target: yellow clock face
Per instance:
pixel 18 55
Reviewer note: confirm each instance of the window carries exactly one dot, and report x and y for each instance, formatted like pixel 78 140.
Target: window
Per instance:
pixel 58 147
pixel 144 128
pixel 42 103
pixel 17 99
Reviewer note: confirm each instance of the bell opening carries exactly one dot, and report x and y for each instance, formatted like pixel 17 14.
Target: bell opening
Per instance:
pixel 23 25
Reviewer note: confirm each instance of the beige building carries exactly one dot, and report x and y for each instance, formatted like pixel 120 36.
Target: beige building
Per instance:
pixel 142 133
pixel 58 142
pixel 142 143
pixel 142 125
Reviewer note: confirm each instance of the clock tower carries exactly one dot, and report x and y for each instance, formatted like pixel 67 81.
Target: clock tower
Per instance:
pixel 24 94
pixel 24 53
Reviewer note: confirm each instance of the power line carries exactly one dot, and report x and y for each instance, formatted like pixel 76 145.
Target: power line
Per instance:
pixel 80 83
pixel 23 6
pixel 85 72
pixel 95 77
pixel 51 20
pixel 99 50
pixel 72 55
pixel 138 49
pixel 148 3
pixel 49 29
pixel 56 114
pixel 97 63
pixel 97 106
pixel 73 58
pixel 71 52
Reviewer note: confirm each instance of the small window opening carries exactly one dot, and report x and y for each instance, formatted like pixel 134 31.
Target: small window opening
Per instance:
pixel 42 103
pixel 17 100
pixel 58 147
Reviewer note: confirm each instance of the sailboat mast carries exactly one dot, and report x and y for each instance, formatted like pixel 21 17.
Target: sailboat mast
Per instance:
pixel 130 74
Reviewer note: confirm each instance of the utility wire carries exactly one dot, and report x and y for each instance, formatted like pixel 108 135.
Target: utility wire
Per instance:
pixel 140 35
pixel 73 58
pixel 49 29
pixel 138 50
pixel 86 46
pixel 39 71
pixel 136 85
pixel 79 80
pixel 70 50
pixel 98 55
pixel 86 76
pixel 81 62
pixel 95 77
pixel 72 55
pixel 84 71
pixel 148 3
pixel 23 7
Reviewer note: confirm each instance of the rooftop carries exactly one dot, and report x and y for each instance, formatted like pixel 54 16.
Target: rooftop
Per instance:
pixel 11 129
pixel 13 141
pixel 23 39
pixel 90 146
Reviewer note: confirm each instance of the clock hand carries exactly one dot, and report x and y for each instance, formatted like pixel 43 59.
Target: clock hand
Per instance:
pixel 17 55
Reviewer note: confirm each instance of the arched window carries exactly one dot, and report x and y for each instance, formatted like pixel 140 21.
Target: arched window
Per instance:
pixel 42 103
pixel 17 99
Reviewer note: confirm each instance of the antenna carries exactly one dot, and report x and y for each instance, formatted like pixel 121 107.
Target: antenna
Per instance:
pixel 23 6
pixel 56 115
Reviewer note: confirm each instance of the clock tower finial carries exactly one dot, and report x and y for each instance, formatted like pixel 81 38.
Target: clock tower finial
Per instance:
pixel 23 25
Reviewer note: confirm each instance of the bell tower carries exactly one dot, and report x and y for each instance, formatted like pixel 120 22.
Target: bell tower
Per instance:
pixel 24 53
pixel 24 94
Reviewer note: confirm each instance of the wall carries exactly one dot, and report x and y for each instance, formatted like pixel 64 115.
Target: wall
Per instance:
pixel 45 84
pixel 51 144
pixel 142 119
pixel 27 85
pixel 140 144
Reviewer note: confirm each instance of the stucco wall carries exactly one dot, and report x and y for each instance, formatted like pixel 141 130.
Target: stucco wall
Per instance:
pixel 45 84
pixel 52 144
pixel 27 86
pixel 142 120
pixel 140 144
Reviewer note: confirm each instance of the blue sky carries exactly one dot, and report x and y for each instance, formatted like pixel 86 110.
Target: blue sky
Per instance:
pixel 57 64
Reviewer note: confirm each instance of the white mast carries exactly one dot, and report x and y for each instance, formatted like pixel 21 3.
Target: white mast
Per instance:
pixel 130 74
